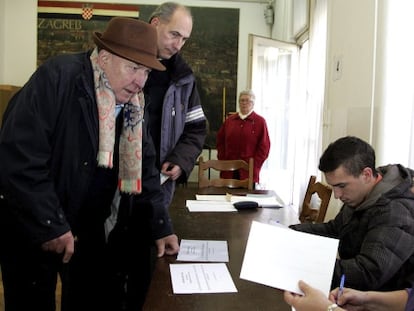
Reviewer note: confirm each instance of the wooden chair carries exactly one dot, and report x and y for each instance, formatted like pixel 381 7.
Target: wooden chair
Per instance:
pixel 204 179
pixel 309 213
pixel 6 93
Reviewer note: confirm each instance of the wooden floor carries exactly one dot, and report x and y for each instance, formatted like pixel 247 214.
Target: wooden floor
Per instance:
pixel 58 291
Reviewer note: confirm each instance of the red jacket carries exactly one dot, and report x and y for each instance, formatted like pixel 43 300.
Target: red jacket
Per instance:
pixel 243 139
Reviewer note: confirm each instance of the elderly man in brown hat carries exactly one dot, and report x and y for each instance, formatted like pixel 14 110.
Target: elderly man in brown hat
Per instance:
pixel 73 139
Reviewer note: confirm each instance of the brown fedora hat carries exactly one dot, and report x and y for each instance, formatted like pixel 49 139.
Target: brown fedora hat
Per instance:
pixel 132 39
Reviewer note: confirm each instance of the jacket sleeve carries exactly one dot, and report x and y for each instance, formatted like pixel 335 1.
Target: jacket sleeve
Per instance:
pixel 220 145
pixel 329 229
pixel 152 195
pixel 25 149
pixel 384 249
pixel 191 142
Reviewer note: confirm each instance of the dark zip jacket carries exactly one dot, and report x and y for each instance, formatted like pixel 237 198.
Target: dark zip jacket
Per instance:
pixel 376 245
pixel 48 149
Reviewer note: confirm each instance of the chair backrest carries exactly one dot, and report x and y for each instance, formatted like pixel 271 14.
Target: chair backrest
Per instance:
pixel 205 179
pixel 308 212
pixel 6 93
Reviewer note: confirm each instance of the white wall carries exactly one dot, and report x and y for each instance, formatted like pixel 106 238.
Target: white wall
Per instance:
pixel 351 41
pixel 19 38
pixel 18 41
pixel 282 27
pixel 372 97
pixel 2 36
pixel 394 91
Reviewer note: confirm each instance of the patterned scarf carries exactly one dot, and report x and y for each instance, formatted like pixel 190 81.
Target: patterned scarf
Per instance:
pixel 130 143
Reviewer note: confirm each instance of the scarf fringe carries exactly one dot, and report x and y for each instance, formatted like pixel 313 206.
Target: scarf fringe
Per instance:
pixel 105 159
pixel 131 186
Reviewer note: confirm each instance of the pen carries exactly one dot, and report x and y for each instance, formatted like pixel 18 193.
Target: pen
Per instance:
pixel 341 286
pixel 270 206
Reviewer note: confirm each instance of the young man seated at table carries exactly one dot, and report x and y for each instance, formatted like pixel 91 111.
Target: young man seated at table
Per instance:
pixel 376 223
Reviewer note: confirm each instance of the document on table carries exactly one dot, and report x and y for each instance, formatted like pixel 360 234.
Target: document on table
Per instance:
pixel 279 257
pixel 201 278
pixel 263 200
pixel 212 197
pixel 210 206
pixel 198 250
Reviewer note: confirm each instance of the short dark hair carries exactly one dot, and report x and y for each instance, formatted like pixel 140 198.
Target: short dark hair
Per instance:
pixel 352 153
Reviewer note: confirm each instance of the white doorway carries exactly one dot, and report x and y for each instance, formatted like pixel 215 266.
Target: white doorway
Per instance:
pixel 273 79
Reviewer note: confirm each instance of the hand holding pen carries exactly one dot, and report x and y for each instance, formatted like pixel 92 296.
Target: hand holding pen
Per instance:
pixel 341 287
pixel 335 297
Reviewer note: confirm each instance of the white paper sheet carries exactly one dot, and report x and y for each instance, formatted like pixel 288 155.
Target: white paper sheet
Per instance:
pixel 279 257
pixel 212 197
pixel 203 250
pixel 201 278
pixel 263 195
pixel 264 200
pixel 210 206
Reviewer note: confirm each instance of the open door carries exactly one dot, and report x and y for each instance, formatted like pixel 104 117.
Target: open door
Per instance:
pixel 273 75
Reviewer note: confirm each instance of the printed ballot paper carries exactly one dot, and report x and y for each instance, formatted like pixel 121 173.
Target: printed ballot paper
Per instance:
pixel 209 206
pixel 225 203
pixel 201 278
pixel 203 250
pixel 279 257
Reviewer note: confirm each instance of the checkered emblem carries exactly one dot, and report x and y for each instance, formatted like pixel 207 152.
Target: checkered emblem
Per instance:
pixel 87 12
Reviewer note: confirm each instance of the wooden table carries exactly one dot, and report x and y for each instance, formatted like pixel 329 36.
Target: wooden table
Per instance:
pixel 233 227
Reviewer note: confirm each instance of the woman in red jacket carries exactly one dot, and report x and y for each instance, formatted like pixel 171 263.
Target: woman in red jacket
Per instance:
pixel 244 135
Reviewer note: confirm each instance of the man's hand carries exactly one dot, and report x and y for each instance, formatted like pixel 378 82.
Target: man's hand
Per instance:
pixel 313 299
pixel 167 245
pixel 63 244
pixel 172 170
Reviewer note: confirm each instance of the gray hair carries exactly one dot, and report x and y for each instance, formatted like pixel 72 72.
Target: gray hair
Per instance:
pixel 166 10
pixel 248 93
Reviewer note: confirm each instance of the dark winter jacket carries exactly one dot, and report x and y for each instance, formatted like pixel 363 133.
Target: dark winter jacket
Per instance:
pixel 179 126
pixel 48 151
pixel 376 245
